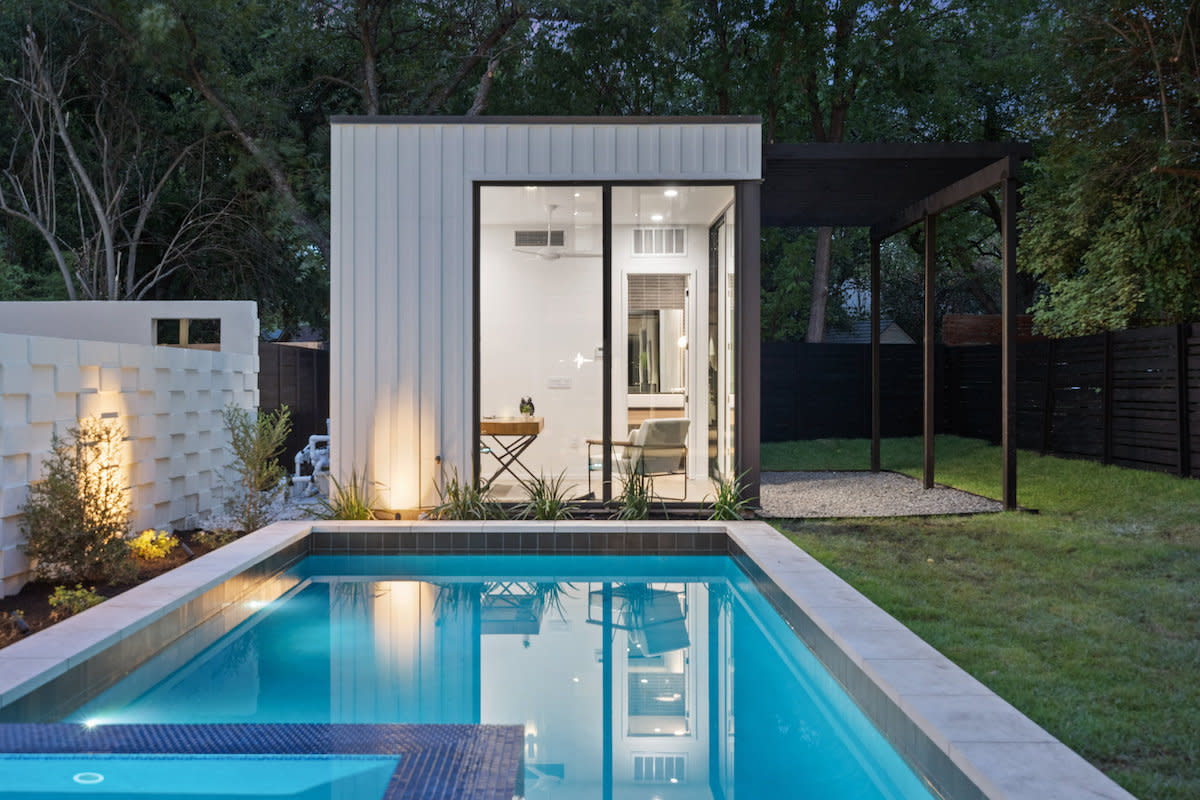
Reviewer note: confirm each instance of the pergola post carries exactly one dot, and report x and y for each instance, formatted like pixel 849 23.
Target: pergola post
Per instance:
pixel 876 405
pixel 1008 339
pixel 930 388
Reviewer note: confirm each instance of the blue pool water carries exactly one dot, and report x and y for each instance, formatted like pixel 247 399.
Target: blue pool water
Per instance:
pixel 73 777
pixel 634 676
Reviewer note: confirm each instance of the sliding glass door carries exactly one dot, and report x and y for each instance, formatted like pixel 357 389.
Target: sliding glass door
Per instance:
pixel 541 335
pixel 670 358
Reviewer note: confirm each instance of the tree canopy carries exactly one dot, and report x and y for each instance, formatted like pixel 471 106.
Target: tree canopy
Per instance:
pixel 180 148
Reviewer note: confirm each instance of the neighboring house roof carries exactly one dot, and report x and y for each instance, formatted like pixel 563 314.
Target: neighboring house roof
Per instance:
pixel 860 333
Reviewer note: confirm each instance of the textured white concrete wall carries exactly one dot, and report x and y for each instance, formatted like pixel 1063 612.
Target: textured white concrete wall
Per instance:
pixel 401 264
pixel 168 400
pixel 131 322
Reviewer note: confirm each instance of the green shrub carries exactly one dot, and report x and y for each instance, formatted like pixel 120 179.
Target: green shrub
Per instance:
pixel 634 500
pixel 215 538
pixel 459 500
pixel 77 517
pixel 548 499
pixel 256 441
pixel 728 504
pixel 68 602
pixel 354 500
pixel 152 545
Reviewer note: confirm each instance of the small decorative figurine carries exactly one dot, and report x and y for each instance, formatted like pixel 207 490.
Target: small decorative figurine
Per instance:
pixel 527 406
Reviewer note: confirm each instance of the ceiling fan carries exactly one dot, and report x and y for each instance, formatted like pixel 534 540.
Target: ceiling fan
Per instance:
pixel 548 252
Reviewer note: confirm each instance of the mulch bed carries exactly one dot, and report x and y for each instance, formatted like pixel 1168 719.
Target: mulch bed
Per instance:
pixel 33 601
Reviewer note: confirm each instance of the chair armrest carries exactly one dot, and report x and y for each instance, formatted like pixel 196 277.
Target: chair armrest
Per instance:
pixel 616 443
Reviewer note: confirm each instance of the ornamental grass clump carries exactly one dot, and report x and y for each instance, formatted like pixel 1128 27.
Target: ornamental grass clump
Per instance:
pixel 634 500
pixel 463 501
pixel 256 441
pixel 549 499
pixel 76 518
pixel 355 500
pixel 729 503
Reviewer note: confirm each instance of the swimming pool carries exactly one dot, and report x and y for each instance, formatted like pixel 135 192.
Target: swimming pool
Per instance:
pixel 626 672
pixel 624 622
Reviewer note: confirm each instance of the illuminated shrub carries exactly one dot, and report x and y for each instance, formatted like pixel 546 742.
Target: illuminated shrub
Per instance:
pixel 77 517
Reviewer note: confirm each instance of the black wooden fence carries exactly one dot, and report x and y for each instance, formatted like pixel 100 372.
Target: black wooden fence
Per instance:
pixel 297 377
pixel 1130 398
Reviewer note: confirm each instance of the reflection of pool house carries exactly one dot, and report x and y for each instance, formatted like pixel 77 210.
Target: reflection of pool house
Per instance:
pixel 605 269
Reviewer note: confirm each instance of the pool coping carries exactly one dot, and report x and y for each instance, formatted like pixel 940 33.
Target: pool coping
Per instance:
pixel 961 737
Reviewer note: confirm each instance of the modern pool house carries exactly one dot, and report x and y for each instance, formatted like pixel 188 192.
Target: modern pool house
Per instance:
pixel 515 298
pixel 607 270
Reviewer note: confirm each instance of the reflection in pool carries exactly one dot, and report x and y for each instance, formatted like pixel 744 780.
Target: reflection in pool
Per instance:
pixel 633 676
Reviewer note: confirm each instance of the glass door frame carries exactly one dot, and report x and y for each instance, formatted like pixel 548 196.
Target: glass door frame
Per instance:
pixel 746 317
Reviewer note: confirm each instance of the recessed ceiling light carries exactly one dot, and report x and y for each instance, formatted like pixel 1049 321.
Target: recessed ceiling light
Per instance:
pixel 577 194
pixel 671 193
pixel 656 217
pixel 531 188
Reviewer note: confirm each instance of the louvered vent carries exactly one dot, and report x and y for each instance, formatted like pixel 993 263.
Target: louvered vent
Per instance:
pixel 537 238
pixel 660 241
pixel 659 768
pixel 654 292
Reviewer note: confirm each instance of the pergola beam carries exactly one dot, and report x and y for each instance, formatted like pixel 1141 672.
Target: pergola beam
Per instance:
pixel 960 191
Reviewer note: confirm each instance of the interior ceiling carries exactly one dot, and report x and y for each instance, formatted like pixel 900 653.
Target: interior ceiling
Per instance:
pixel 527 206
pixel 862 184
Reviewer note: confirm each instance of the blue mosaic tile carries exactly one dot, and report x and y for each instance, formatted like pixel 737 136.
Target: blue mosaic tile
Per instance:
pixel 438 762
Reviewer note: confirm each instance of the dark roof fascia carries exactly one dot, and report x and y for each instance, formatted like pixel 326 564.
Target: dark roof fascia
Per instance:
pixel 345 119
pixel 839 151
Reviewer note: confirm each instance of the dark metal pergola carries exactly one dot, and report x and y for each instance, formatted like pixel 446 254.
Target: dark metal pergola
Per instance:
pixel 888 188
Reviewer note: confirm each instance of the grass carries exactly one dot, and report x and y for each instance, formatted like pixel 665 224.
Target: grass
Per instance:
pixel 1085 616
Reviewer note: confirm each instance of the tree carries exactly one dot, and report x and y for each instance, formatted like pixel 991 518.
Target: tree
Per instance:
pixel 1111 210
pixel 89 148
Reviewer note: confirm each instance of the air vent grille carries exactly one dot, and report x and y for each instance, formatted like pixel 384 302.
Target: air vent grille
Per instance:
pixel 661 241
pixel 659 768
pixel 537 238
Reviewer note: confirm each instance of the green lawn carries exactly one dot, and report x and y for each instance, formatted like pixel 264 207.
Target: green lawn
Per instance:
pixel 1085 615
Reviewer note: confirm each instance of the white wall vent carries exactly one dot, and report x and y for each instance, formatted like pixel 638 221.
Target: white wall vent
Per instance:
pixel 537 239
pixel 659 768
pixel 660 241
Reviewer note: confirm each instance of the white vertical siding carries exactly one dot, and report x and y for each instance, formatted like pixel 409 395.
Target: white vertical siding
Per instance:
pixel 401 230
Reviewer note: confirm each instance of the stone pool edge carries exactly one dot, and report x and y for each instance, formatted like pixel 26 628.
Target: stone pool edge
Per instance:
pixel 966 740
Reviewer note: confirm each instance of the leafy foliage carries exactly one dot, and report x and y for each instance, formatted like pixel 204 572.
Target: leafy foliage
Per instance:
pixel 1112 204
pixel 69 602
pixel 77 517
pixel 151 545
pixel 549 499
pixel 256 440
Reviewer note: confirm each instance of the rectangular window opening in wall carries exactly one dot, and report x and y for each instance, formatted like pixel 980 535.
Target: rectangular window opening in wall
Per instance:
pixel 199 334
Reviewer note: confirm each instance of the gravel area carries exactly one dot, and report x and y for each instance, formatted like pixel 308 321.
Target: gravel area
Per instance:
pixel 862 494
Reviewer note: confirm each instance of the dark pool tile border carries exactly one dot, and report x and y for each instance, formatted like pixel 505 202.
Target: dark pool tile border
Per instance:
pixel 437 762
pixel 499 538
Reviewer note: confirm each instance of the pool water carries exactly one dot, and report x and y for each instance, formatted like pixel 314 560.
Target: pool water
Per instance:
pixel 50 777
pixel 633 676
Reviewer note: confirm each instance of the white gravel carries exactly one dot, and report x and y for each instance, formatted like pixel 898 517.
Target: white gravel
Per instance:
pixel 862 494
